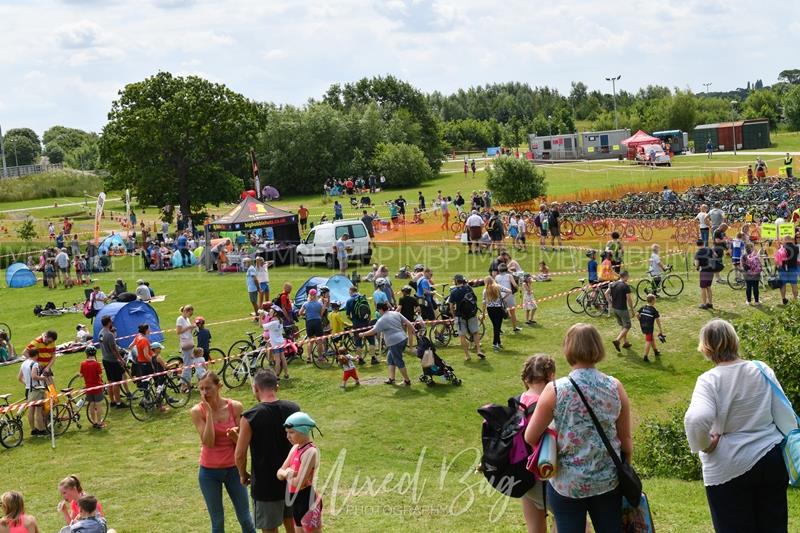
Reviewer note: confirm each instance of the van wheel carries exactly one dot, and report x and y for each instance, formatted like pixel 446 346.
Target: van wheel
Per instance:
pixel 301 260
pixel 330 261
pixel 366 260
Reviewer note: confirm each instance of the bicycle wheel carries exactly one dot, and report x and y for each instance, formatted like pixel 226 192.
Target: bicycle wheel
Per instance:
pixel 643 288
pixel 672 285
pixel 456 227
pixel 103 412
pixel 10 432
pixel 579 229
pixel 736 280
pixel 646 232
pixel 216 356
pixel 595 304
pixel 143 404
pixel 5 327
pixel 75 382
pixel 441 333
pixel 62 418
pixel 240 347
pixel 567 227
pixel 575 300
pixel 234 373
pixel 176 393
pixel 323 360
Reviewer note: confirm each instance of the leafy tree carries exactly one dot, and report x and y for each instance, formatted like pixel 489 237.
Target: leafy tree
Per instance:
pixel 54 153
pixel 763 104
pixel 20 150
pixel 68 139
pixel 682 111
pixel 28 134
pixel 86 156
pixel 404 165
pixel 791 107
pixel 791 76
pixel 513 180
pixel 178 141
pixel 27 231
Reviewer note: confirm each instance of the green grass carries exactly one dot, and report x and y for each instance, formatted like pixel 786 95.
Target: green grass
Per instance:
pixel 378 430
pixel 50 185
pixel 785 141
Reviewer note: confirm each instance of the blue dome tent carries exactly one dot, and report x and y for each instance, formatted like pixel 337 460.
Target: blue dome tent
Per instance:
pixel 177 260
pixel 111 241
pixel 338 284
pixel 126 317
pixel 19 276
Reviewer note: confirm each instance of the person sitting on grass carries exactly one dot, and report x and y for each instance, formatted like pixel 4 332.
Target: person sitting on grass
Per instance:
pixel 7 352
pixel 14 518
pixel 544 272
pixel 88 521
pixel 71 492
pixel 648 317
pixel 92 374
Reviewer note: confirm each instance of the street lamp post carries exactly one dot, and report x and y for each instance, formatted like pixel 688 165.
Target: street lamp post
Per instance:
pixel 549 125
pixel 614 80
pixel 707 85
pixel 733 123
pixel 3 153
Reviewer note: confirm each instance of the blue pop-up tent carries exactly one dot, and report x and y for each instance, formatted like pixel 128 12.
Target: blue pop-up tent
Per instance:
pixel 338 284
pixel 114 241
pixel 19 276
pixel 126 317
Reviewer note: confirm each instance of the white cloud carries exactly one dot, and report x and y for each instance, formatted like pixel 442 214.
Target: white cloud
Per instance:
pixel 81 34
pixel 275 53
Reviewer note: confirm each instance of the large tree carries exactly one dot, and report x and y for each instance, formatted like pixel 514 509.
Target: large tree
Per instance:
pixel 179 141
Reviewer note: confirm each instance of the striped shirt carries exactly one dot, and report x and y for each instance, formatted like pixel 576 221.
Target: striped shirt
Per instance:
pixel 47 351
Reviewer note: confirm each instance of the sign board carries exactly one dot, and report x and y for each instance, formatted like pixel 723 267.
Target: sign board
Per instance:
pixel 615 147
pixel 769 231
pixel 591 149
pixel 786 230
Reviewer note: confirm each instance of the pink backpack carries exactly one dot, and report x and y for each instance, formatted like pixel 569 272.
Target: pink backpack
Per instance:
pixel 754 264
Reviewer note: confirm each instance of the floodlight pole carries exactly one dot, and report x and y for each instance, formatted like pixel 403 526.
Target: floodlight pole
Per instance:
pixel 707 85
pixel 733 123
pixel 614 80
pixel 3 152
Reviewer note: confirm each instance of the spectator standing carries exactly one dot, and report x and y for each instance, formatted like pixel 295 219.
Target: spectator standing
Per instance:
pixel 709 149
pixel 185 328
pixel 719 249
pixel 738 436
pixel 358 311
pixel 715 218
pixel 252 283
pixel 703 224
pixel 542 221
pixel 302 216
pixel 554 224
pixel 182 242
pixel 393 326
pixel 113 363
pixel 262 277
pixel 464 307
pixel 421 201
pixel 337 210
pixel 62 262
pixel 425 292
pixel 474 225
pixel 619 298
pixel 368 222
pixel 261 431
pixel 586 479
pixel 31 377
pixel 494 307
pixel 786 261
pixel 506 279
pixel 217 420
pixel 704 263
pixel 45 346
pixel 341 248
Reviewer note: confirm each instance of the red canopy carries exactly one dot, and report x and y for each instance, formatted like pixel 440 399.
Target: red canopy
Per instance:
pixel 639 138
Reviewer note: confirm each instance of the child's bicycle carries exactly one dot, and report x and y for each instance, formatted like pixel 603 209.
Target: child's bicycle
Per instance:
pixel 66 413
pixel 149 397
pixel 10 424
pixel 246 356
pixel 667 283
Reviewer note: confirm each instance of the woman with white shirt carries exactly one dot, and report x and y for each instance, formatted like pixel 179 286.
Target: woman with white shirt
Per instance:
pixel 736 422
pixel 262 280
pixel 185 329
pixel 494 296
pixel 506 280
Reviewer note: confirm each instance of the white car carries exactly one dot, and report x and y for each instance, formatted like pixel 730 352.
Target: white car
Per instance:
pixel 318 246
pixel 653 154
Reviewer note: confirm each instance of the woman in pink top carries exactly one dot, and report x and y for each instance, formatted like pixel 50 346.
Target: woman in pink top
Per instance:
pixel 537 372
pixel 217 422
pixel 14 519
pixel 71 490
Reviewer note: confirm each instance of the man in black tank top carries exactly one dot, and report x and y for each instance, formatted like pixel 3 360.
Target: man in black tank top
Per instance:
pixel 261 430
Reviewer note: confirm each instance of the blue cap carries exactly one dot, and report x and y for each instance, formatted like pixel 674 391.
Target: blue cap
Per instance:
pixel 156 346
pixel 301 422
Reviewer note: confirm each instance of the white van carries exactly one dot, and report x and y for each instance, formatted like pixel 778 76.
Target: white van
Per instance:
pixel 318 246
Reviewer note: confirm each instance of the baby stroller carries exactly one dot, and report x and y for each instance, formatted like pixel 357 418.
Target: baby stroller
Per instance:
pixel 439 367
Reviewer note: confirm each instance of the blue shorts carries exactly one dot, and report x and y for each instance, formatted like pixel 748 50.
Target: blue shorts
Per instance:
pixel 263 286
pixel 395 357
pixel 788 277
pixel 253 296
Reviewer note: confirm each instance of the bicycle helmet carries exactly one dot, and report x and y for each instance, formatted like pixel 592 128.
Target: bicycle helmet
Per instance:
pixel 300 422
pixel 156 346
pixel 199 319
pixel 323 289
pixel 380 282
pixel 91 350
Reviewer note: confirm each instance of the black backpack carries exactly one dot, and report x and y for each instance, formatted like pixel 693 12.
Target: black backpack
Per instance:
pixel 468 306
pixel 501 424
pixel 361 310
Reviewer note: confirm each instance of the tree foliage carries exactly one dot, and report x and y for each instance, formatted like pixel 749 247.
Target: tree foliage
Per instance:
pixel 27 231
pixel 513 180
pixel 791 76
pixel 80 149
pixel 20 150
pixel 54 153
pixel 179 141
pixel 662 449
pixel 763 103
pixel 403 165
pixel 791 107
pixel 28 134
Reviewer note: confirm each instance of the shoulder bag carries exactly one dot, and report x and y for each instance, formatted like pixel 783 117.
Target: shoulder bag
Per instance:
pixel 629 482
pixel 791 440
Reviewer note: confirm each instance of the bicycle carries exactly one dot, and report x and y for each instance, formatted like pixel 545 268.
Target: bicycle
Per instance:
pixel 76 381
pixel 148 396
pixel 10 425
pixel 246 356
pixel 5 327
pixel 65 414
pixel 670 284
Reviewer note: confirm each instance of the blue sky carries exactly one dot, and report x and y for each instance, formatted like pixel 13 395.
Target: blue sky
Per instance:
pixel 63 61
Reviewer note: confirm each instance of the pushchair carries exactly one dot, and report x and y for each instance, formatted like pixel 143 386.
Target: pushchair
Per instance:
pixel 439 367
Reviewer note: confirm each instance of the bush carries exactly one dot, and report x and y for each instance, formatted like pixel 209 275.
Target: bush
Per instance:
pixel 513 180
pixel 26 231
pixel 404 165
pixel 50 185
pixel 662 450
pixel 773 339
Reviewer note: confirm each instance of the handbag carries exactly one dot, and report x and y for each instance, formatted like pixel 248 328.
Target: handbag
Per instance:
pixel 637 519
pixel 629 482
pixel 791 441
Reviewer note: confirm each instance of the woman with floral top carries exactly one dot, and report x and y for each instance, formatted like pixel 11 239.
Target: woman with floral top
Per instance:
pixel 586 480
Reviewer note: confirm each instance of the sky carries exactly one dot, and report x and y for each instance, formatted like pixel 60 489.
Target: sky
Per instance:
pixel 64 61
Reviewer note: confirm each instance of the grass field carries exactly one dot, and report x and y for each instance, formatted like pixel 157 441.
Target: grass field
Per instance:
pixel 426 434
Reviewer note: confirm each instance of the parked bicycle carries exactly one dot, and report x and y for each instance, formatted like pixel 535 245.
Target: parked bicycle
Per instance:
pixel 154 393
pixel 10 424
pixel 588 298
pixel 64 414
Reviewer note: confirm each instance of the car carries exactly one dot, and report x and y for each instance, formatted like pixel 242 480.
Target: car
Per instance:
pixel 318 246
pixel 653 154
